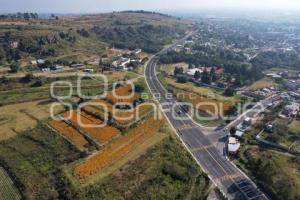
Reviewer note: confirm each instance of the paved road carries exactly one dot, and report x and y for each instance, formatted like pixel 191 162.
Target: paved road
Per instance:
pixel 229 179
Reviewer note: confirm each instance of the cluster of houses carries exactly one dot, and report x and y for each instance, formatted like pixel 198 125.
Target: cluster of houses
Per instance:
pixel 291 110
pixel 233 141
pixel 219 71
pixel 56 67
pixel 123 63
pixel 262 93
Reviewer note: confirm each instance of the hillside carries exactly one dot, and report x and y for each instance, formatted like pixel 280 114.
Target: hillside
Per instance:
pixel 79 38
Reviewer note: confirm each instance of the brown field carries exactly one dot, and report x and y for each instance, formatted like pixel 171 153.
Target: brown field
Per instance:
pixel 122 94
pixel 70 133
pixel 118 149
pixel 100 134
pixel 22 116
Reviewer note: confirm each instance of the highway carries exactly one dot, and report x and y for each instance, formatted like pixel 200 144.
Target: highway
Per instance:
pixel 227 177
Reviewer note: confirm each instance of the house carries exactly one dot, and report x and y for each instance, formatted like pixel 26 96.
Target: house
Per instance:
pixel 293 84
pixel 46 69
pixel 239 133
pixel 191 72
pixel 58 67
pixel 290 110
pixel 121 64
pixel 33 62
pixel 233 145
pixel 14 44
pixel 136 51
pixel 88 70
pixel 40 61
pixel 77 65
pixel 247 121
pixel 269 128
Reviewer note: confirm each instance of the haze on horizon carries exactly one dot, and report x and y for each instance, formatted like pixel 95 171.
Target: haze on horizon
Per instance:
pixel 97 6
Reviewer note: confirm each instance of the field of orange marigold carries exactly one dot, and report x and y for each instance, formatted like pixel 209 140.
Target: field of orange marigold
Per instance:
pixel 84 121
pixel 118 149
pixel 122 94
pixel 70 133
pixel 123 117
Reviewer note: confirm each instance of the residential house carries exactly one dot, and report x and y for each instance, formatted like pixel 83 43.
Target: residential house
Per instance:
pixel 233 145
pixel 121 64
pixel 290 110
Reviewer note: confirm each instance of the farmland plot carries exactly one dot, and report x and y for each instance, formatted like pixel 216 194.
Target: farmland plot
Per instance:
pixel 7 188
pixel 12 117
pixel 121 117
pixel 122 94
pixel 88 124
pixel 118 149
pixel 70 133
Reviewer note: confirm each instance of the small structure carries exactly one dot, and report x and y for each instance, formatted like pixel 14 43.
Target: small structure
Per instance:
pixel 233 145
pixel 239 133
pixel 40 61
pixel 293 84
pixel 247 121
pixel 137 51
pixel 191 72
pixel 88 70
pixel 33 62
pixel 58 67
pixel 14 44
pixel 77 65
pixel 269 128
pixel 121 64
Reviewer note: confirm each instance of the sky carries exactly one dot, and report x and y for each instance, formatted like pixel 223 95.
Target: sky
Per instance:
pixel 96 6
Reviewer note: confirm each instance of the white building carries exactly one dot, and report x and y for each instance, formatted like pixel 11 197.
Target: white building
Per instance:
pixel 191 72
pixel 233 145
pixel 121 63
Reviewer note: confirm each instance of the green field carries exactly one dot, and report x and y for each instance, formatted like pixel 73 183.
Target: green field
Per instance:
pixel 277 173
pixel 37 158
pixel 7 188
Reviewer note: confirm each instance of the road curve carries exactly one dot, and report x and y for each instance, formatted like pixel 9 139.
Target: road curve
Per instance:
pixel 233 183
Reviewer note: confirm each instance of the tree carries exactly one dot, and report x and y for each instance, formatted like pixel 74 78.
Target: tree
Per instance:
pixel 197 75
pixel 139 88
pixel 229 92
pixel 232 131
pixel 232 111
pixel 178 70
pixel 237 81
pixel 14 67
pixel 28 78
pixel 191 66
pixel 205 78
pixel 213 75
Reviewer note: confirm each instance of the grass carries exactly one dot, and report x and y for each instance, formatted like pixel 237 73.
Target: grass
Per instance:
pixel 169 68
pixel 277 173
pixel 8 190
pixel 292 71
pixel 139 150
pixel 206 92
pixel 290 138
pixel 263 83
pixel 164 172
pixel 17 118
pixel 34 158
pixel 17 92
pixel 210 123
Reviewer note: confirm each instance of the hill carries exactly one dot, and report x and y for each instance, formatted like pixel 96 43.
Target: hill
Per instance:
pixel 76 38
